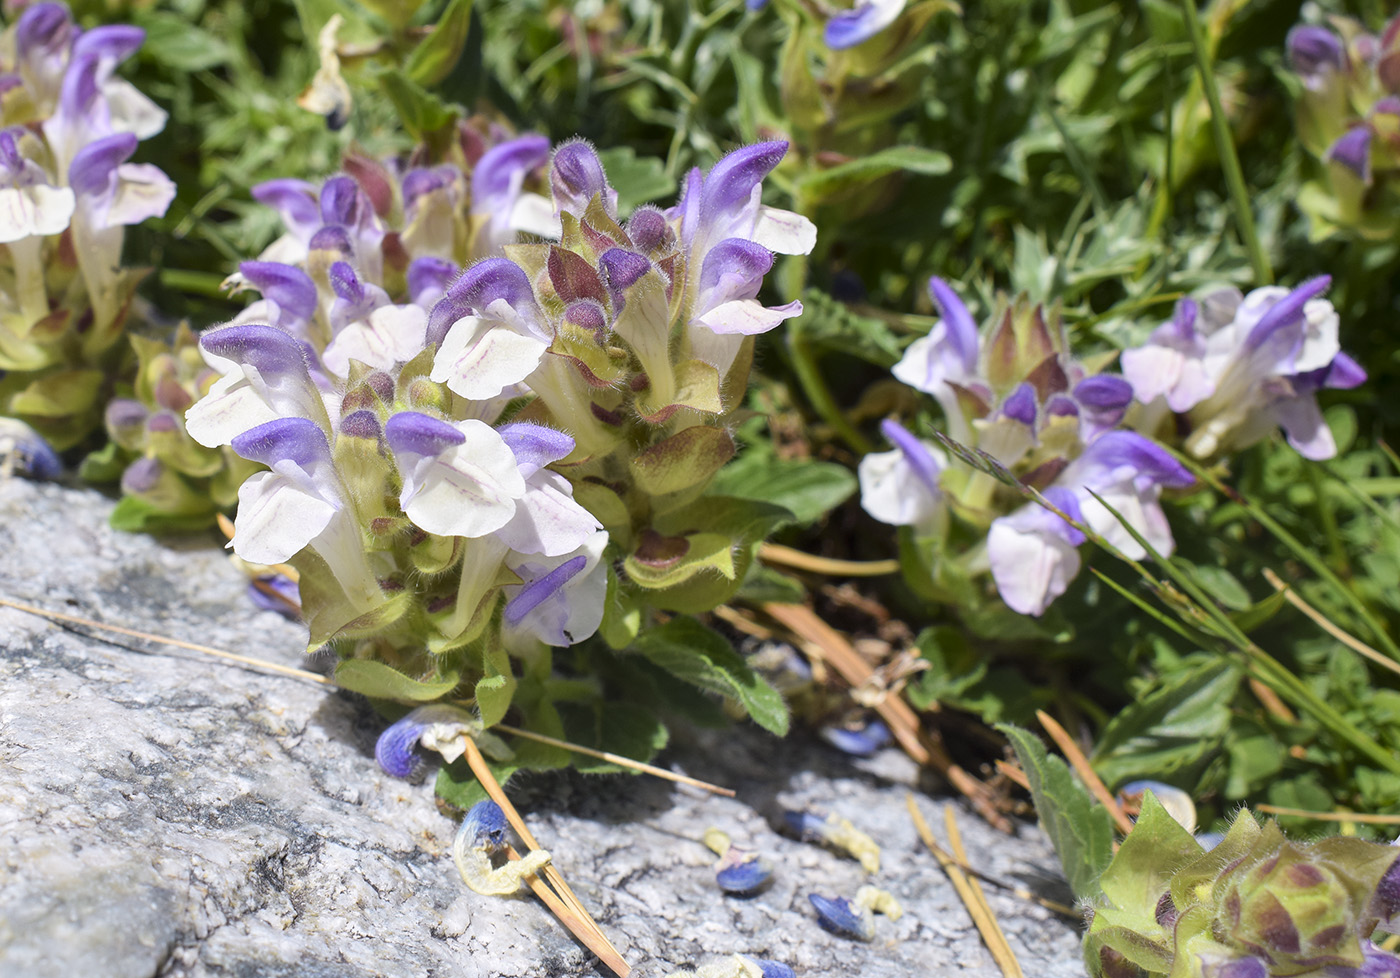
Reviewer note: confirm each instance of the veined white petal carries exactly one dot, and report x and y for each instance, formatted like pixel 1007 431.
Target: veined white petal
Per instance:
pixel 547 519
pixel 469 490
pixel 478 359
pixel 747 316
pixel 132 111
pixel 276 518
pixel 784 232
pixel 573 612
pixel 142 191
pixel 391 334
pixel 36 209
pixel 231 407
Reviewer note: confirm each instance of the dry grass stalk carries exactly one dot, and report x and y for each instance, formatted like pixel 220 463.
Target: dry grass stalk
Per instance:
pixel 1322 621
pixel 1014 774
pixel 575 916
pixel 776 553
pixel 177 643
pixel 1358 818
pixel 602 755
pixel 1080 763
pixel 903 722
pixel 968 890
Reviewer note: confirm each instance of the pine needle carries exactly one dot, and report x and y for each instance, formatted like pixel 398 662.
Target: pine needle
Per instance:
pixel 566 906
pixel 1323 622
pixel 1080 763
pixel 903 722
pixel 1357 817
pixel 968 890
pixel 602 755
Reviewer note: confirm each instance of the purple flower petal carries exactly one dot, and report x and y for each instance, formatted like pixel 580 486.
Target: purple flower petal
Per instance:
pixel 1353 150
pixel 479 286
pixel 344 203
pixel 1344 373
pixel 536 592
pixel 734 269
pixel 124 413
pixel 1020 405
pixel 94 165
pixel 1104 392
pixel 269 350
pixel 485 825
pixel 420 181
pixel 499 173
pixel 961 330
pixel 861 742
pixel 412 433
pixel 295 200
pixel 1312 51
pixel 332 237
pixel 288 286
pixel 42 25
pixel 771 969
pixel 862 22
pixel 915 452
pixel 285 598
pixel 1152 461
pixel 428 278
pixel 113 42
pixel 397 749
pixel 534 445
pixel 1287 311
pixel 841 916
pixel 756 5
pixel 649 230
pixel 730 183
pixel 142 475
pixel 742 872
pixel 297 440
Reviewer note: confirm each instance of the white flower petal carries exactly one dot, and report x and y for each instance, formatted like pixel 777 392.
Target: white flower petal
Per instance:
pixel 1031 568
pixel 391 334
pixel 276 518
pixel 784 232
pixel 231 407
pixel 142 191
pixel 534 214
pixel 547 519
pixel 747 316
pixel 892 492
pixel 469 490
pixel 575 611
pixel 478 359
pixel 36 209
pixel 1302 422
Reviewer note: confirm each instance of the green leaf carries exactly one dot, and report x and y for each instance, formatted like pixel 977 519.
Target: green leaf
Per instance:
pixel 1223 586
pixel 422 113
pixel 458 786
pixel 808 489
pixel 377 680
pixel 434 58
pixel 134 515
pixel 104 465
pixel 1180 723
pixel 826 184
pixel 496 687
pixel 763 584
pixel 637 179
pixel 1080 829
pixel 702 657
pixel 175 43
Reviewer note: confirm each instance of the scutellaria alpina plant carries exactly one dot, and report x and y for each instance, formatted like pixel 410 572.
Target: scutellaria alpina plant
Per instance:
pixel 462 467
pixel 1348 121
pixel 1017 394
pixel 68 192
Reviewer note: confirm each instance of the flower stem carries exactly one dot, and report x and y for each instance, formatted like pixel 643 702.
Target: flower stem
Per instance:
pixel 1225 148
pixel 804 365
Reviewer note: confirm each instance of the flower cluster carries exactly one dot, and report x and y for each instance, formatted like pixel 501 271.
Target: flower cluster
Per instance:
pixel 67 193
pixel 1348 118
pixel 1017 395
pixel 1255 906
pixel 1236 367
pixel 451 455
pixel 404 229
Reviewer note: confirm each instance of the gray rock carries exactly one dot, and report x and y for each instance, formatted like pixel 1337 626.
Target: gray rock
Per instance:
pixel 164 814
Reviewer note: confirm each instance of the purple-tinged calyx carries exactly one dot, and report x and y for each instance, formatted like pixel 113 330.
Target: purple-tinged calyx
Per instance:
pixel 412 433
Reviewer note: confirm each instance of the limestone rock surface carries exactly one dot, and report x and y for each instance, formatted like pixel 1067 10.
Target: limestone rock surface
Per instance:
pixel 164 814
